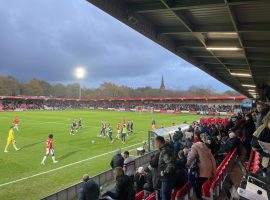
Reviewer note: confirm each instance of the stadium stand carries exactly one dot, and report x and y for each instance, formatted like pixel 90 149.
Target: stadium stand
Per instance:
pixel 220 105
pixel 214 187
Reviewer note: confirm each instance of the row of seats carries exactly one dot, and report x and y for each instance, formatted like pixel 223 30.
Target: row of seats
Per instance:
pixel 210 120
pixel 184 193
pixel 253 165
pixel 256 163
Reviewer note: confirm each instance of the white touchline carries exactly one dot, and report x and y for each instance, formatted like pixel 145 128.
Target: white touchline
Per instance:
pixel 64 166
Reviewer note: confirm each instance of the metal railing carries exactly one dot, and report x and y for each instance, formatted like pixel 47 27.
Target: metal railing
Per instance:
pixel 106 177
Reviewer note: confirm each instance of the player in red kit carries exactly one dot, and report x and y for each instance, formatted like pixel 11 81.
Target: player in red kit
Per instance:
pixel 118 129
pixel 49 150
pixel 16 123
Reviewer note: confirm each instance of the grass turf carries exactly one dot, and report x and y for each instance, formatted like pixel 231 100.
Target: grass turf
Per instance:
pixel 34 129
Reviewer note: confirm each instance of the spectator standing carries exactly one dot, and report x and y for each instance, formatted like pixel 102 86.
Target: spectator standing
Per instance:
pixel 155 174
pixel 262 112
pixel 181 172
pixel 248 130
pixel 239 125
pixel 230 124
pixel 262 134
pixel 182 160
pixel 90 190
pixel 129 165
pixel 166 166
pixel 117 160
pixel 230 144
pixel 206 163
pixel 176 144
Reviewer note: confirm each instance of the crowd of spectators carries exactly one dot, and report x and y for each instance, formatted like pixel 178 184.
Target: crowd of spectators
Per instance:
pixel 170 168
pixel 195 107
pixel 41 105
pixel 72 104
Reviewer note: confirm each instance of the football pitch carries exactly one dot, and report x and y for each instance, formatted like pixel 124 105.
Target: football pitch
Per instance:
pixel 23 177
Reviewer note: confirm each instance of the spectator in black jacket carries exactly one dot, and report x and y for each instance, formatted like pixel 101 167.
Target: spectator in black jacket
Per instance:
pixel 90 190
pixel 117 160
pixel 155 173
pixel 181 172
pixel 230 144
pixel 238 127
pixel 166 166
pixel 182 160
pixel 248 130
pixel 124 187
pixel 230 124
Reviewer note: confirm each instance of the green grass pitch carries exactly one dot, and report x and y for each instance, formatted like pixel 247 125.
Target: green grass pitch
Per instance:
pixel 34 129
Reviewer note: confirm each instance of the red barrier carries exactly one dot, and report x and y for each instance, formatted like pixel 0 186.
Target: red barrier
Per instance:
pixel 151 197
pixel 251 156
pixel 211 188
pixel 256 163
pixel 139 195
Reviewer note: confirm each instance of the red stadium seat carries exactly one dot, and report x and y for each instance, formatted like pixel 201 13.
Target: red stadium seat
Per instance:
pixel 256 163
pixel 221 172
pixel 151 197
pixel 183 191
pixel 251 157
pixel 206 189
pixel 173 195
pixel 139 195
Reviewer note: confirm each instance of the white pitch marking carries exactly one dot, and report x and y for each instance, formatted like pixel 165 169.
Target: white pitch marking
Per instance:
pixel 64 166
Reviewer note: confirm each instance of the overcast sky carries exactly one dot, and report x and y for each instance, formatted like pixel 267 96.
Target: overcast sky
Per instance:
pixel 46 39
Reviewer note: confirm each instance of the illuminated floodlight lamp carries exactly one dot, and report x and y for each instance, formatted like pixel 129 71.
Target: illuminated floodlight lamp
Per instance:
pixel 249 85
pixel 80 73
pixel 250 90
pixel 223 48
pixel 240 74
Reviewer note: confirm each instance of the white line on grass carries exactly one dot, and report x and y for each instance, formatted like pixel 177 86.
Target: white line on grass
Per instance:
pixel 62 167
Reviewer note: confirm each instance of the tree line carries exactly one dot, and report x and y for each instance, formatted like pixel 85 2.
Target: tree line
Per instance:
pixel 10 86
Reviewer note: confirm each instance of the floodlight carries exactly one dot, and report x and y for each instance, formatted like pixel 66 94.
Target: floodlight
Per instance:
pixel 80 72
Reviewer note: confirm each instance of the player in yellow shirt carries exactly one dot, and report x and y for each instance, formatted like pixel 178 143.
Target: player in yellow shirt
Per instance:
pixel 11 139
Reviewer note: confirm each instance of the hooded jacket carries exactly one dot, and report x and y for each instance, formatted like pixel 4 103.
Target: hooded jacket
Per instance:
pixel 117 161
pixel 206 161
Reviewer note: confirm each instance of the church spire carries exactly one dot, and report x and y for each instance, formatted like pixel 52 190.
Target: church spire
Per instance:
pixel 162 85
